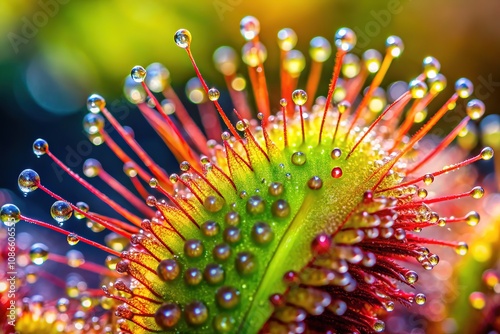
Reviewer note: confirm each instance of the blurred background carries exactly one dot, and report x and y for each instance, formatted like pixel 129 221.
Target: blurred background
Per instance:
pixel 54 53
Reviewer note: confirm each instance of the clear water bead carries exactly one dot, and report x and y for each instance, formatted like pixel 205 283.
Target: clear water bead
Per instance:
pixel 320 49
pixel 394 45
pixel 345 39
pixel 61 211
pixel 158 77
pixel 138 73
pixel 40 147
pixel 28 181
pixel 226 60
pixel 95 103
pixel 182 38
pixel 287 39
pixel 10 214
pixel 249 27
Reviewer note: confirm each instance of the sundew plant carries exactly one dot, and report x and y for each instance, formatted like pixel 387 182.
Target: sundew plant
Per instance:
pixel 301 215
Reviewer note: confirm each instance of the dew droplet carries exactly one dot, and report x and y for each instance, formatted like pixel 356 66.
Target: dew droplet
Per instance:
pixel 487 153
pixel 61 211
pixel 431 67
pixel 345 39
pixel 213 94
pixel 182 38
pixel 28 181
pixel 287 39
pixel 138 73
pixel 320 49
pixel 428 179
pixel 72 239
pixel 438 83
pixel 299 158
pixel 379 326
pixel 394 45
pixel 242 125
pixel 336 172
pixel 40 147
pixel 157 78
pixel 249 27
pixel 168 315
pixel 294 63
pixel 226 60
pixel 472 218
pixel 168 270
pixel 462 248
pixel 464 87
pixel 475 109
pixel 336 153
pixel 477 192
pixel 39 253
pixel 254 54
pixel 315 183
pixel 10 214
pixel 299 97
pixel 91 167
pixel 95 103
pixel 417 88
pixel 372 59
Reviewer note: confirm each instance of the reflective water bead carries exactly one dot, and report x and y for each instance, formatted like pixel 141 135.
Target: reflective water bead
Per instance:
pixel 133 91
pixel 464 87
pixel 138 73
pixel 254 55
pixel 10 214
pixel 283 102
pixel 276 189
pixel 280 208
pixel 299 158
pixel 315 183
pixel 437 84
pixel 242 125
pixel 379 326
pixel 287 39
pixel 61 211
pixel 223 323
pixel 92 123
pixel 62 305
pixel 249 27
pixel 255 205
pixel 213 274
pixel 345 39
pixel 196 313
pixel 227 297
pixel 193 276
pixel 411 277
pixel 373 60
pixel 232 235
pixel 39 253
pixel 221 252
pixel 462 248
pixel 226 60
pixel 431 67
pixel 213 94
pixel 262 233
pixel 168 315
pixel 213 203
pixel 225 135
pixel 95 103
pixel 472 218
pixel 245 263
pixel 321 244
pixel 232 218
pixel 157 78
pixel 91 167
pixel 417 88
pixel 336 172
pixel 475 109
pixel 294 63
pixel 75 258
pixel 394 45
pixel 477 192
pixel 28 181
pixel 168 270
pixel 193 248
pixel 182 38
pixel 350 65
pixel 428 179
pixel 40 147
pixel 210 228
pixel 320 49
pixel 299 97
pixel 151 201
pixel 487 153
pixel 72 239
